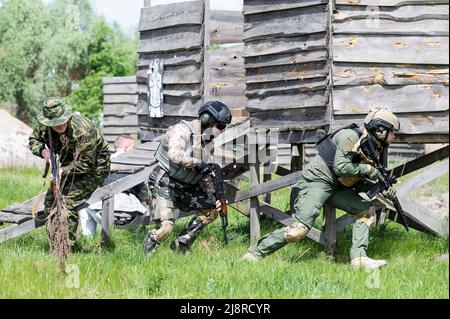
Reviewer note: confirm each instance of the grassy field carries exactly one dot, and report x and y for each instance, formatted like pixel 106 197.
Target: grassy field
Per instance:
pixel 214 271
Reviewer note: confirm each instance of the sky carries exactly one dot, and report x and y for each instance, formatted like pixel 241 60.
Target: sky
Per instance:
pixel 126 12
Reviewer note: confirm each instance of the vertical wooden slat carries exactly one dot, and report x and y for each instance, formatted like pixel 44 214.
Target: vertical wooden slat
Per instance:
pixel 207 44
pixel 329 213
pixel 255 229
pixel 296 165
pixel 107 218
pixel 267 174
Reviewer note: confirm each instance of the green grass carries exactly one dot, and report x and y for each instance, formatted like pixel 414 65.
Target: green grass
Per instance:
pixel 297 271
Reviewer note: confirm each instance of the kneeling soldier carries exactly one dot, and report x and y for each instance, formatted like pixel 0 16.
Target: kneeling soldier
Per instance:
pixel 331 177
pixel 181 179
pixel 82 151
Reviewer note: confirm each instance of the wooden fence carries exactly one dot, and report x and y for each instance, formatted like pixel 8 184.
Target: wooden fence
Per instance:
pixel 120 112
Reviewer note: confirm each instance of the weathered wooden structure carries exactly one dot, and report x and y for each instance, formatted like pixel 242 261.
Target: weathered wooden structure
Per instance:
pixel 309 65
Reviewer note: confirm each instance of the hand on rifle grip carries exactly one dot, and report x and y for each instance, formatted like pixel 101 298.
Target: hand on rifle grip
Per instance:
pixel 374 174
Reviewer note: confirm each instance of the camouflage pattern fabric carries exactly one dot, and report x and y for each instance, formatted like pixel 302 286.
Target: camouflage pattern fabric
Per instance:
pixel 85 162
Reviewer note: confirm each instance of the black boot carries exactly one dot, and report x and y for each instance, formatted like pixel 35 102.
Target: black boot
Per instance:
pixel 186 238
pixel 150 244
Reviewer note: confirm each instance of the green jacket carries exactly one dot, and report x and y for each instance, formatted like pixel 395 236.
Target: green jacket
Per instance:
pixel 82 148
pixel 346 162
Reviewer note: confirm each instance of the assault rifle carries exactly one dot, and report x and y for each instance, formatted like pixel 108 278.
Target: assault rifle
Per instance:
pixel 217 178
pixel 55 180
pixel 388 181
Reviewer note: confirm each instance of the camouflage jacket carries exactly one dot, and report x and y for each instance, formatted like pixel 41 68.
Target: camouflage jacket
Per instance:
pixel 81 148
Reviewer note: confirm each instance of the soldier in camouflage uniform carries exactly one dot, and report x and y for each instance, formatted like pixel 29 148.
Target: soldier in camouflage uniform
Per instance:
pixel 82 152
pixel 333 177
pixel 181 179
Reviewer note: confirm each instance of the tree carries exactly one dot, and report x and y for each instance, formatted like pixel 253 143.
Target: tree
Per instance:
pixel 48 50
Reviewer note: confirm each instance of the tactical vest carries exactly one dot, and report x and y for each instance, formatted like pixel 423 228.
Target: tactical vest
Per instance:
pixel 180 173
pixel 327 148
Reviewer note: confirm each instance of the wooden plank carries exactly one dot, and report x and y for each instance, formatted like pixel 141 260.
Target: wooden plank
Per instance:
pixel 206 59
pixel 176 90
pixel 184 74
pixel 225 27
pixel 422 138
pixel 173 106
pixel 424 178
pixel 391 49
pixel 309 70
pixel 286 23
pixel 107 218
pixel 285 45
pixel 286 59
pixel 128 88
pixel 424 27
pixel 400 99
pixel 405 13
pixel 145 121
pixel 262 90
pixel 171 58
pixel 255 228
pixel 289 101
pixel 262 6
pixel 429 123
pixel 119 80
pixel 117 130
pixel 118 110
pixel 421 162
pixel 129 120
pixel 120 99
pixel 150 146
pixel 226 56
pixel 388 3
pixel 169 15
pixel 14 218
pixel 173 39
pixel 388 74
pixel 218 89
pixel 119 186
pixel 330 229
pixel 15 231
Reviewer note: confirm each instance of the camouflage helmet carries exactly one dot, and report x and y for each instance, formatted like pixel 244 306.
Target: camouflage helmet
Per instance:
pixel 54 112
pixel 383 118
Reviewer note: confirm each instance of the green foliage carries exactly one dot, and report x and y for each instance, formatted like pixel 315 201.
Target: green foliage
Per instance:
pixel 216 271
pixel 48 50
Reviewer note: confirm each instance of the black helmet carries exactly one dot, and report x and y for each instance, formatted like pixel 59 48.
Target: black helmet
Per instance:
pixel 214 112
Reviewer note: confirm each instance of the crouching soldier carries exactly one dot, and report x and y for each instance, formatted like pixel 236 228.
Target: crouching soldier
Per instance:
pixel 82 152
pixel 181 178
pixel 331 178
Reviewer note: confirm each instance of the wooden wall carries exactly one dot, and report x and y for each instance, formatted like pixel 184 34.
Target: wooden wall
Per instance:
pixel 224 62
pixel 120 113
pixel 287 63
pixel 393 55
pixel 175 34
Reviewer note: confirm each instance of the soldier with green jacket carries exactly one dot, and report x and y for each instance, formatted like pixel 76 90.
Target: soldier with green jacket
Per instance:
pixel 181 178
pixel 82 152
pixel 332 177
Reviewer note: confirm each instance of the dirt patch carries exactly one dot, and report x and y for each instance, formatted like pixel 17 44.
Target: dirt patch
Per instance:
pixel 14 151
pixel 437 204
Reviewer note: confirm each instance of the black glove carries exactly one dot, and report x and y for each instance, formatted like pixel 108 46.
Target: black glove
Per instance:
pixel 203 168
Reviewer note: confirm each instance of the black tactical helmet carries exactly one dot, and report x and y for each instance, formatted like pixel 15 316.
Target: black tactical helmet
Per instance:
pixel 214 112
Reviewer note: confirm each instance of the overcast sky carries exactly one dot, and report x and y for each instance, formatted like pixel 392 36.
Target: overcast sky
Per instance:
pixel 126 12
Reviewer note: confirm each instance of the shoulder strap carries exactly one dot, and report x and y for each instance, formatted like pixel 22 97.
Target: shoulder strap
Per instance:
pixel 197 139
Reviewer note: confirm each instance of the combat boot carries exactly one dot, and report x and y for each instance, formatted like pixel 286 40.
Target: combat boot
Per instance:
pixel 186 238
pixel 150 244
pixel 367 263
pixel 250 257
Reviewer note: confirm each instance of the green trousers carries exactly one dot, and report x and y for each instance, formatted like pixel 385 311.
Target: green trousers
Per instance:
pixel 312 197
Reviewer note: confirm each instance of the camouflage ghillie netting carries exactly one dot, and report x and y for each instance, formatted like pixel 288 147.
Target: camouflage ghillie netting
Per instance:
pixel 58 234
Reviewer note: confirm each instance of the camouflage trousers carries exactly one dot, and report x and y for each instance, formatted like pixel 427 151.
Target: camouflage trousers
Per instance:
pixel 311 198
pixel 75 191
pixel 169 195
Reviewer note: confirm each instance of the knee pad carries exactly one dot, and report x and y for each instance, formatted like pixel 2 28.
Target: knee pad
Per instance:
pixel 295 232
pixel 368 217
pixel 161 233
pixel 208 216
